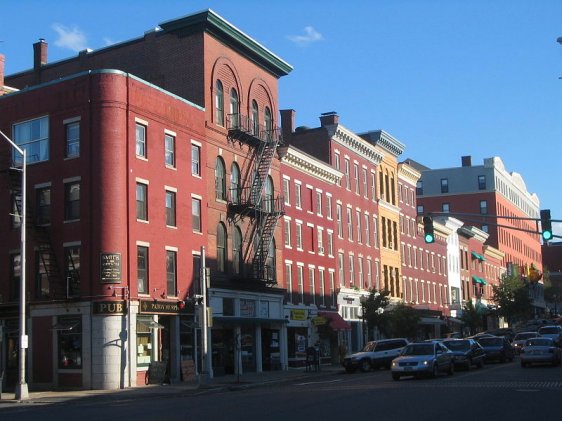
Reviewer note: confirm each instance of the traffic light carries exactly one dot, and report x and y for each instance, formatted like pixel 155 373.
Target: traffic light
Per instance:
pixel 546 225
pixel 428 233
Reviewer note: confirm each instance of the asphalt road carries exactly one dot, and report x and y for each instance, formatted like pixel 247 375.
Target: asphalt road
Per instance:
pixel 497 392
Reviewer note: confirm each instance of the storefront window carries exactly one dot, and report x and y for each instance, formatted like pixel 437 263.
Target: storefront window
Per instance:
pixel 144 341
pixel 70 342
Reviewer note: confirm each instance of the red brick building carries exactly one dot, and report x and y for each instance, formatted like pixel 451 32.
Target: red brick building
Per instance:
pixel 203 59
pixel 110 230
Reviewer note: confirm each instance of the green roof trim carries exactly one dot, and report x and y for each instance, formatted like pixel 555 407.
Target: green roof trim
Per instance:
pixel 210 22
pixel 478 256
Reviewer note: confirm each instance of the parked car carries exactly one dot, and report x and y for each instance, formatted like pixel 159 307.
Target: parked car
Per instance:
pixel 540 350
pixel 496 348
pixel 375 354
pixel 520 340
pixel 508 332
pixel 423 358
pixel 553 332
pixel 466 352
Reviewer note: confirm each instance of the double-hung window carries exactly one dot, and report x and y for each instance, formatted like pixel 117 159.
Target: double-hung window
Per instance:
pixel 72 201
pixel 140 140
pixel 195 160
pixel 170 150
pixel 142 201
pixel 170 208
pixel 33 136
pixel 171 272
pixel 142 269
pixel 72 138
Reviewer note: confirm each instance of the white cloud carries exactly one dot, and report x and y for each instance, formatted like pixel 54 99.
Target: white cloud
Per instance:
pixel 557 229
pixel 107 42
pixel 71 38
pixel 310 35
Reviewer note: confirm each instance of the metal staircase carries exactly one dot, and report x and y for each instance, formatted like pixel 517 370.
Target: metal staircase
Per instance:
pixel 249 200
pixel 54 287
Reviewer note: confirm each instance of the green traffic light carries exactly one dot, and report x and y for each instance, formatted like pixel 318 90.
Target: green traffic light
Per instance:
pixel 547 235
pixel 429 238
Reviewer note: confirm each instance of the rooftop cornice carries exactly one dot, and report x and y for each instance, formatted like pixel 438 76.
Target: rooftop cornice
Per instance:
pixel 355 143
pixel 384 140
pixel 408 172
pixel 210 22
pixel 473 232
pixel 301 161
pixel 493 252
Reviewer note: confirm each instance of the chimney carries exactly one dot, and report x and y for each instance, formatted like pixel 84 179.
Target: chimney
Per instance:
pixel 329 118
pixel 287 123
pixel 466 161
pixel 1 73
pixel 39 54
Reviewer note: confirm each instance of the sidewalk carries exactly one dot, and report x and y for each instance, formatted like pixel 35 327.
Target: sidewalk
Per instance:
pixel 221 383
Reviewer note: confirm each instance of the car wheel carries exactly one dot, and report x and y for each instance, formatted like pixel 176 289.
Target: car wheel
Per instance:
pixel 451 369
pixel 523 364
pixel 435 370
pixel 469 364
pixel 481 363
pixel 365 366
pixel 395 376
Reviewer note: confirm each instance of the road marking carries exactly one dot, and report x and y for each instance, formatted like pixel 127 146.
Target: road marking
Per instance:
pixel 323 382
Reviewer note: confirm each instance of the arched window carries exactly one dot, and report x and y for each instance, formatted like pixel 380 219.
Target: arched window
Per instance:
pixel 219 103
pixel 237 251
pixel 268 195
pixel 268 121
pixel 220 179
pixel 235 183
pixel 255 118
pixel 270 262
pixel 221 248
pixel 234 109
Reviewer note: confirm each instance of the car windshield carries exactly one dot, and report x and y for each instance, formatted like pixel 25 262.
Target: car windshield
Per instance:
pixel 490 341
pixel 549 330
pixel 418 349
pixel 539 342
pixel 526 335
pixel 369 347
pixel 457 345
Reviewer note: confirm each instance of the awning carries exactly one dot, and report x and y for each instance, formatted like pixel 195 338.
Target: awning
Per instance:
pixel 151 324
pixel 478 256
pixel 234 320
pixel 477 280
pixel 431 321
pixel 335 321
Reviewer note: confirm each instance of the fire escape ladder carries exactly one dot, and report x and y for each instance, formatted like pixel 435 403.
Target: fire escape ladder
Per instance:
pixel 265 153
pixel 267 224
pixel 39 233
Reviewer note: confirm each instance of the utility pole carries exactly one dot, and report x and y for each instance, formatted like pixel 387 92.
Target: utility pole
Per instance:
pixel 206 369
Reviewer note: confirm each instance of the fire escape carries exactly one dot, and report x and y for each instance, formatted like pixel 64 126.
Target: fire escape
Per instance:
pixel 51 284
pixel 251 198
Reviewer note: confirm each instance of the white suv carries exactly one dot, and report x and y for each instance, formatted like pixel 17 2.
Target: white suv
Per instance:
pixel 375 354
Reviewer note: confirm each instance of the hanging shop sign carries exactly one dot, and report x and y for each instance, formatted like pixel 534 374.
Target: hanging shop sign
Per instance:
pixel 298 314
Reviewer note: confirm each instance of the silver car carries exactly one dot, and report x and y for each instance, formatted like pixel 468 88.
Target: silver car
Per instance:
pixel 540 350
pixel 423 358
pixel 520 339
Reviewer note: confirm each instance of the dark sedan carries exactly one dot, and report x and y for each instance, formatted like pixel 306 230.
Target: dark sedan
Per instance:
pixel 466 352
pixel 497 348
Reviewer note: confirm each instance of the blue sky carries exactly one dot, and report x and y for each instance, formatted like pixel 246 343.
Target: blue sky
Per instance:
pixel 445 77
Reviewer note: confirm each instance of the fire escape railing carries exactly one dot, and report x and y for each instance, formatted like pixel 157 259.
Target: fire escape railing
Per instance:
pixel 56 287
pixel 250 198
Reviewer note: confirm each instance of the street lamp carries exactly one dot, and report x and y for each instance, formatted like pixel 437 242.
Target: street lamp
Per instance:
pixel 22 392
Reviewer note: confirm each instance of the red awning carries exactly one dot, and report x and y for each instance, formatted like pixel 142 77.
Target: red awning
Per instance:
pixel 336 321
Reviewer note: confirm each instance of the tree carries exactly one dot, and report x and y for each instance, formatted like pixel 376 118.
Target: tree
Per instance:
pixel 403 321
pixel 471 317
pixel 511 296
pixel 373 308
pixel 552 292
